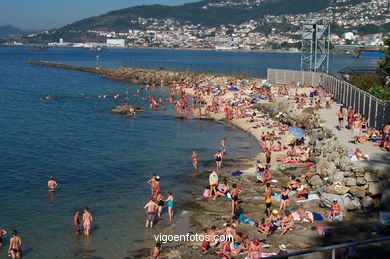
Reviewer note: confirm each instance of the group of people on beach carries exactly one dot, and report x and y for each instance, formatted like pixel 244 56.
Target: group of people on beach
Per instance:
pixel 358 125
pixel 204 102
pixel 156 202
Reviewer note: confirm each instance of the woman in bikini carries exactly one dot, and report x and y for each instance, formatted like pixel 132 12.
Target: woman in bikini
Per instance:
pixel 303 215
pixel 287 222
pixel 194 160
pixel 222 189
pixel 284 198
pixel 87 219
pixel 263 227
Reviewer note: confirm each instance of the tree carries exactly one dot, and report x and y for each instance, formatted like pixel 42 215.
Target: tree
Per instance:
pixel 384 63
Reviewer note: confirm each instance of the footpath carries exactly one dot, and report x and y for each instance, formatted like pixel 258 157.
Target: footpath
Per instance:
pixel 378 159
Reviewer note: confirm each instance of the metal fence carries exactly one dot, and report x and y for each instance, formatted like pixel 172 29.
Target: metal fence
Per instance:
pixel 334 247
pixel 377 112
pixel 255 72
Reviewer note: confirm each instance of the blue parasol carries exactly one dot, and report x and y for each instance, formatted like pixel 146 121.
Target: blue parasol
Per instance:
pixel 297 132
pixel 234 89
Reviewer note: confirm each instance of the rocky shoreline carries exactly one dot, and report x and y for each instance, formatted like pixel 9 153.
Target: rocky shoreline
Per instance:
pixel 331 174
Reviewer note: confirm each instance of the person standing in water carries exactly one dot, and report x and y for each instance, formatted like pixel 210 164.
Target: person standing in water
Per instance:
pixel 2 233
pixel 15 245
pixel 218 160
pixel 194 160
pixel 76 222
pixel 87 220
pixel 170 205
pixel 223 145
pixel 52 184
pixel 151 207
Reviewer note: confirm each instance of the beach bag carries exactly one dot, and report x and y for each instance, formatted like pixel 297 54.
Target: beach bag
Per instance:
pixel 206 193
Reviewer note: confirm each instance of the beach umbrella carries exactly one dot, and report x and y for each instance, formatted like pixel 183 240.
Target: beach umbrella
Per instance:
pixel 234 88
pixel 297 132
pixel 255 96
pixel 201 85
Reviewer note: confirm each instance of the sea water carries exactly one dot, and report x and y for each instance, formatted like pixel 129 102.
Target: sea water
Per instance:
pixel 100 160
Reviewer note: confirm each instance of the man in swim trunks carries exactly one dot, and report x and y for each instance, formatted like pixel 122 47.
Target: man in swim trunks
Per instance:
pixel 15 245
pixel 268 199
pixel 155 251
pixel 212 234
pixel 2 233
pixel 340 115
pixel 76 222
pixel 87 220
pixel 268 154
pixel 52 184
pixel 151 208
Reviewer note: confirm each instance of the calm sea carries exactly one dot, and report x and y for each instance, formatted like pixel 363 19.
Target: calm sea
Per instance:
pixel 100 160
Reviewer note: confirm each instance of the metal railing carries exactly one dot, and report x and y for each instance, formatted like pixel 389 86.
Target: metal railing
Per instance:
pixel 332 248
pixel 236 70
pixel 377 112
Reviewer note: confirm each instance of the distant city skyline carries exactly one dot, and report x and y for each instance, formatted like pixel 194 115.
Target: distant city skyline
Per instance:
pixel 49 14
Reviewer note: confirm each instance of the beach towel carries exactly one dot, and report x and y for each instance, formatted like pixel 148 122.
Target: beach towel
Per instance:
pixel 276 196
pixel 237 173
pixel 297 218
pixel 317 217
pixel 384 217
pixel 311 197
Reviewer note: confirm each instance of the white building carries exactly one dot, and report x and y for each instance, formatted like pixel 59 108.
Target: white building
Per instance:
pixel 115 42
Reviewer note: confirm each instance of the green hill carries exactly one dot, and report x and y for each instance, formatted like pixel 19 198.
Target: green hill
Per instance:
pixel 194 13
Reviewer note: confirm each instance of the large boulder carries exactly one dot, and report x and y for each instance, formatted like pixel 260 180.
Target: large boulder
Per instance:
pixel 338 177
pixel 316 181
pixel 346 201
pixel 367 202
pixel 350 181
pixel 357 191
pixel 385 199
pixel 370 177
pixel 360 181
pixel 374 188
pixel 359 170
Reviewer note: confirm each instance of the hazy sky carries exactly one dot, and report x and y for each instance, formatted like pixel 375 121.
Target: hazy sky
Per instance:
pixel 47 14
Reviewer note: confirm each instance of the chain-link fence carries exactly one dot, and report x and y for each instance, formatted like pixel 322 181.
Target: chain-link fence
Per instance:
pixel 376 111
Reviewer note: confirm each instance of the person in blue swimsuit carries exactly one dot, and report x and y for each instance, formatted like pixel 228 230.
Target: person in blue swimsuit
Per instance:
pixel 170 205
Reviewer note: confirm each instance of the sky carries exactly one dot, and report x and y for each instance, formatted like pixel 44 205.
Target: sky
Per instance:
pixel 49 14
